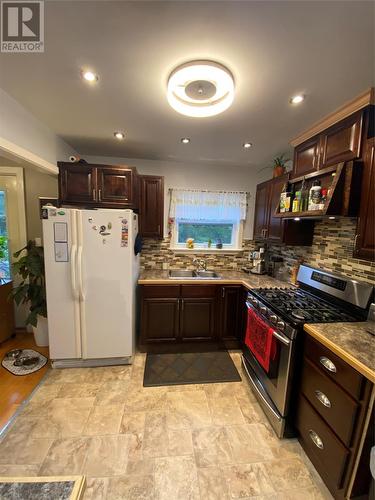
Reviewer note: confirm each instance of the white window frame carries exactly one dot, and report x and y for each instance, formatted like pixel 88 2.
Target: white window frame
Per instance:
pixel 235 246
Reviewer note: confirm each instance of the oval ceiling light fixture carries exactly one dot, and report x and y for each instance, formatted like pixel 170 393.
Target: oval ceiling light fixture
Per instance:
pixel 247 145
pixel 185 140
pixel 297 99
pixel 200 89
pixel 119 135
pixel 89 76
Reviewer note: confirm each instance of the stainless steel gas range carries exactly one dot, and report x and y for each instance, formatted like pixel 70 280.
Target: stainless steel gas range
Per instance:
pixel 321 297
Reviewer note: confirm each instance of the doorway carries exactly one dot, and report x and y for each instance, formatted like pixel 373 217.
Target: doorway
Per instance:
pixel 12 225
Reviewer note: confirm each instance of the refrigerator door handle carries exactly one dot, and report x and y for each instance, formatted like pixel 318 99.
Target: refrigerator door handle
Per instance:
pixel 79 268
pixel 73 273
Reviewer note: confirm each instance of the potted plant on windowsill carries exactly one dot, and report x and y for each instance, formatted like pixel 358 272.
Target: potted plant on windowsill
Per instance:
pixel 31 290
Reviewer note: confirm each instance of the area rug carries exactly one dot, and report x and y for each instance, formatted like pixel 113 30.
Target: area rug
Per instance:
pixel 23 361
pixel 42 488
pixel 189 368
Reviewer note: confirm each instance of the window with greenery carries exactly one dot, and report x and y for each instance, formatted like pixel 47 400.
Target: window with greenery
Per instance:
pixel 202 219
pixel 5 268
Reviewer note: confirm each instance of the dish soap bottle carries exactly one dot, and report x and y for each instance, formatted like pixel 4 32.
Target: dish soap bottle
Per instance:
pixel 315 195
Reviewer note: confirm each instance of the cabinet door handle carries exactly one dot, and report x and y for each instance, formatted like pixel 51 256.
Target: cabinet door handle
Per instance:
pixel 355 241
pixel 316 439
pixel 159 228
pixel 223 292
pixel 323 399
pixel 94 194
pixel 328 365
pixel 182 305
pixel 265 232
pixel 100 194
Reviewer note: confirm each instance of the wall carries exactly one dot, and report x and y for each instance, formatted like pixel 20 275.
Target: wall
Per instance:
pixel 197 176
pixel 37 184
pixel 332 250
pixel 20 128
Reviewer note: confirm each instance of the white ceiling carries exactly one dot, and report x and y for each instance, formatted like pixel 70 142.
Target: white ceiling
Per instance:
pixel 273 48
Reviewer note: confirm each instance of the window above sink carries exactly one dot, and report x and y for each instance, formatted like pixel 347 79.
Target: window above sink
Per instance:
pixel 212 220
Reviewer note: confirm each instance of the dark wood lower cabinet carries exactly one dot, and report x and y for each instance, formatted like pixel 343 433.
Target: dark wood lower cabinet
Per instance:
pixel 231 307
pixel 197 319
pixel 184 314
pixel 160 319
pixel 332 409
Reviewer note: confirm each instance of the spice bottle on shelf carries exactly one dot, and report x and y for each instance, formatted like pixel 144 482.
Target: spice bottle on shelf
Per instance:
pixel 296 207
pixel 304 197
pixel 289 199
pixel 323 198
pixel 283 196
pixel 315 195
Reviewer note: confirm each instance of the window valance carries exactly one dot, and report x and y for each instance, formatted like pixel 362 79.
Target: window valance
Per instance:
pixel 207 205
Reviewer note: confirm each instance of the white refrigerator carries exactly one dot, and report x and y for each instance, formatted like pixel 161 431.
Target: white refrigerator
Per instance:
pixel 91 276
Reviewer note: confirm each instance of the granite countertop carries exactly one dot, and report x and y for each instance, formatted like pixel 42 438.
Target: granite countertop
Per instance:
pixel 159 277
pixel 350 341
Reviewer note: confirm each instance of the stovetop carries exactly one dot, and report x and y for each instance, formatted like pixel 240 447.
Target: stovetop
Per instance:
pixel 299 306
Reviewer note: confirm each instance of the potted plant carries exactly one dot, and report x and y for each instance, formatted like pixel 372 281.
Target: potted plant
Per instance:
pixel 279 167
pixel 31 290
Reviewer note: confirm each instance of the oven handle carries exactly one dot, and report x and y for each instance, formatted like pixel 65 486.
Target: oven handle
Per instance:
pixel 259 392
pixel 277 335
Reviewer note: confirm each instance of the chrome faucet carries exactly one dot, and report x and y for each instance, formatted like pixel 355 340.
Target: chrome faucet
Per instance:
pixel 200 263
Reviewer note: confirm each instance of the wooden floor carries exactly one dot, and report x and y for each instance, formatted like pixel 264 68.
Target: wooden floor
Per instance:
pixel 15 389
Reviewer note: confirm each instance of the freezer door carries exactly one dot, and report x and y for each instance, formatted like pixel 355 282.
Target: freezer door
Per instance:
pixel 105 263
pixel 60 246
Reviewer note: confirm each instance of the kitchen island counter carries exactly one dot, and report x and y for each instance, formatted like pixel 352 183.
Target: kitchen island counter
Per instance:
pixel 350 341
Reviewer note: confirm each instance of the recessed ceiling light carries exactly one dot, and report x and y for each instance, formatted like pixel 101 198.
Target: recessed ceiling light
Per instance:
pixel 89 76
pixel 297 99
pixel 247 145
pixel 185 140
pixel 119 135
pixel 200 89
pixel 297 218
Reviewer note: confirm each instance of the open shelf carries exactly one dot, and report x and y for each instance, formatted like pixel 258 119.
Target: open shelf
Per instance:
pixel 341 181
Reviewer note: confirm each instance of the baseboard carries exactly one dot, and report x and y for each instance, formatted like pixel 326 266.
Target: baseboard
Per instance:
pixel 88 363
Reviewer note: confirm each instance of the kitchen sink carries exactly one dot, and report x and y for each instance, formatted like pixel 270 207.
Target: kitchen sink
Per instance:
pixel 178 273
pixel 185 273
pixel 207 274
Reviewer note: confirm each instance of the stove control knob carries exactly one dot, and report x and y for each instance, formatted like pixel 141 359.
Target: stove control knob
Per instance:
pixel 273 318
pixel 281 325
pixel 263 310
pixel 254 301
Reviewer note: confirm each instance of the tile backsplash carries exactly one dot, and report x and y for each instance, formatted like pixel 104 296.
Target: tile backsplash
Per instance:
pixel 332 249
pixel 155 253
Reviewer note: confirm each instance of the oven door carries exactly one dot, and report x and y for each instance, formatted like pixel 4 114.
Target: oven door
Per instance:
pixel 275 384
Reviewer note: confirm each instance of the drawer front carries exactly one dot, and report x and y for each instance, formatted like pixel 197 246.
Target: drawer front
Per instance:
pixel 334 367
pixel 324 449
pixel 161 291
pixel 337 408
pixel 193 291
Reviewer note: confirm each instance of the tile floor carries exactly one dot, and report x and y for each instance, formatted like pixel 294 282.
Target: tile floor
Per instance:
pixel 168 443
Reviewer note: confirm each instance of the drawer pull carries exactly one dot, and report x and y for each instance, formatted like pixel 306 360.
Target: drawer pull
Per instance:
pixel 316 439
pixel 328 365
pixel 323 399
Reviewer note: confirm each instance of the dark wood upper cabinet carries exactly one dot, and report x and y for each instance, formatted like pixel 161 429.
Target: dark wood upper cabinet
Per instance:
pixel 77 183
pixel 261 209
pixel 306 157
pixel 364 245
pixel 102 186
pixel 275 225
pixel 342 141
pixel 151 206
pixel 115 185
